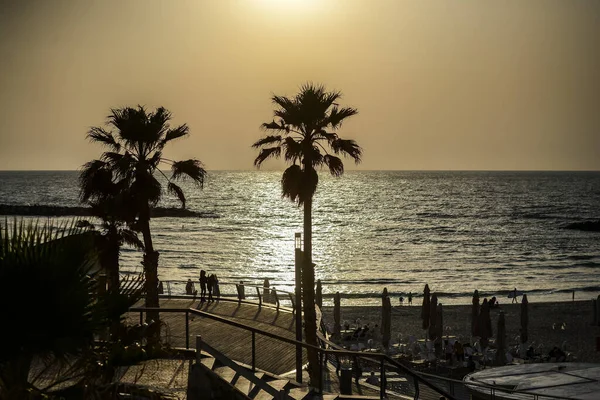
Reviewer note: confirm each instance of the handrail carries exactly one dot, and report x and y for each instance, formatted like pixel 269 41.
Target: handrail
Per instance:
pixel 371 357
pixel 339 353
pixel 200 344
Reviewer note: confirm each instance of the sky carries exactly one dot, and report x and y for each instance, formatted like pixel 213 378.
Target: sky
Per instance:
pixel 439 85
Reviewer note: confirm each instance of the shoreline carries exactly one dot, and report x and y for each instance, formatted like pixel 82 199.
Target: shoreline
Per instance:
pixel 567 323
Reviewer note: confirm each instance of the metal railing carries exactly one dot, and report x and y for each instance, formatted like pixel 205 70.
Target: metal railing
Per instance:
pixel 260 294
pixel 383 361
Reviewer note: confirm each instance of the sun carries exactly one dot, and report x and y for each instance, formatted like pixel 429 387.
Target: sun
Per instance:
pixel 290 5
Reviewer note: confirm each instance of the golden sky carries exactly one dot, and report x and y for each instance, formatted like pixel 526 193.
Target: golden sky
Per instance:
pixel 457 84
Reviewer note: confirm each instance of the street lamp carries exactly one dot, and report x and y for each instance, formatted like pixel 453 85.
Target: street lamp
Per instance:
pixel 298 292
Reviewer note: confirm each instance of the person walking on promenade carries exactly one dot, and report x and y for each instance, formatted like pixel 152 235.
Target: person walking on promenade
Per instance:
pixel 203 282
pixel 410 298
pixel 514 300
pixel 210 283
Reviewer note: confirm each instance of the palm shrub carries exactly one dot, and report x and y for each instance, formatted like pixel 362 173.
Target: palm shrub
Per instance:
pixel 47 301
pixel 304 132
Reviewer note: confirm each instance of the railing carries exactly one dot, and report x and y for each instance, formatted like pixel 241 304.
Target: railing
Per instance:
pixel 382 360
pixel 263 295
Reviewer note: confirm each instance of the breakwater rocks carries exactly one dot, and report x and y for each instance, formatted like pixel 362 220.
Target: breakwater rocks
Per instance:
pixel 60 211
pixel 590 226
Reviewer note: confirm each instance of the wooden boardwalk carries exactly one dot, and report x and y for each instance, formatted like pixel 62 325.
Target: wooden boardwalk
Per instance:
pixel 236 343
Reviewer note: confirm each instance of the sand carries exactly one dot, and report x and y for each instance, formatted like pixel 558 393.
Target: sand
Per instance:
pixel 550 324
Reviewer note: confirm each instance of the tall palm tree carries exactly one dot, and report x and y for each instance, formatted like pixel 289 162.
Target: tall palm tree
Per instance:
pixel 131 164
pixel 305 132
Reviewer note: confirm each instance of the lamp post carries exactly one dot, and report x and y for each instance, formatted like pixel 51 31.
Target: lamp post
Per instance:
pixel 298 275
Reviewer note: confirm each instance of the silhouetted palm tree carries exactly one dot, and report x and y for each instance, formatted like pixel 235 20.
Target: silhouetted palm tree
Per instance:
pixel 112 233
pixel 131 165
pixel 305 130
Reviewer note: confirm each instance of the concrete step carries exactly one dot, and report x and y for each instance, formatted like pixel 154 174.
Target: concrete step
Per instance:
pixel 208 362
pixel 226 373
pixel 242 384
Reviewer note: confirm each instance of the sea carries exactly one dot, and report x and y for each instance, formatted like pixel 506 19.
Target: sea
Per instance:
pixel 456 231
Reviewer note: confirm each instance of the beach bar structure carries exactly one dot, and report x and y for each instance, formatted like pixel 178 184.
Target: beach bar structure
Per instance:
pixel 542 380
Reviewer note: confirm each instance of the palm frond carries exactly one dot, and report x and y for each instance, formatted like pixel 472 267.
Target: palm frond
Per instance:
pixel 95 179
pixel 176 190
pixel 290 182
pixel 336 166
pixel 347 148
pixel 193 169
pixel 130 238
pixel 268 140
pixel 175 133
pixel 275 126
pixel 337 116
pixel 267 153
pixel 293 150
pixel 97 134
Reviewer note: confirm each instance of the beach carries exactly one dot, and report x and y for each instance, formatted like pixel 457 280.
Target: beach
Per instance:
pixel 550 324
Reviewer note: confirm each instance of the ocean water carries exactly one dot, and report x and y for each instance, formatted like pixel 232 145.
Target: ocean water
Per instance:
pixel 456 231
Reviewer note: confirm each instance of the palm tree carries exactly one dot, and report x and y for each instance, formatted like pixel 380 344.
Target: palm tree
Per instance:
pixel 131 164
pixel 113 232
pixel 304 131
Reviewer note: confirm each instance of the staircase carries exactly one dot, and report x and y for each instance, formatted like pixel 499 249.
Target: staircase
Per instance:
pixel 225 378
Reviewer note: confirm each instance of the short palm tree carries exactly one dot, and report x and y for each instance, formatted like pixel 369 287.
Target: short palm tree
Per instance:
pixel 304 129
pixel 131 164
pixel 112 233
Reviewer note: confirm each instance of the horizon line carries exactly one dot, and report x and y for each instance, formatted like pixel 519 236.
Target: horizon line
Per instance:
pixel 350 170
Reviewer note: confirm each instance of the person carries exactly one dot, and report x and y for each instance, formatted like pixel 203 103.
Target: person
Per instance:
pixel 449 350
pixel 530 352
pixel 557 354
pixel 210 285
pixel 493 303
pixel 401 300
pixel 189 287
pixel 471 364
pixel 459 351
pixel 216 289
pixel 203 281
pixel 372 379
pixel 410 298
pixel 514 300
pixel 241 291
pixel 161 289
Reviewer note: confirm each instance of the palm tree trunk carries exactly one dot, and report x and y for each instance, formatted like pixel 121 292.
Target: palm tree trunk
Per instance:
pixel 150 263
pixel 308 287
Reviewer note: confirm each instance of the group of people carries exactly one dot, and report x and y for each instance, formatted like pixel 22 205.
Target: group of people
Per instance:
pixel 410 297
pixel 208 284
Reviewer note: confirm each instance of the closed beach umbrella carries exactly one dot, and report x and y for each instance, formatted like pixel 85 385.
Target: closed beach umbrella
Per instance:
pixel 319 294
pixel 386 322
pixel 337 314
pixel 433 317
pixel 475 314
pixel 501 340
pixel 485 324
pixel 524 319
pixel 439 324
pixel 425 308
